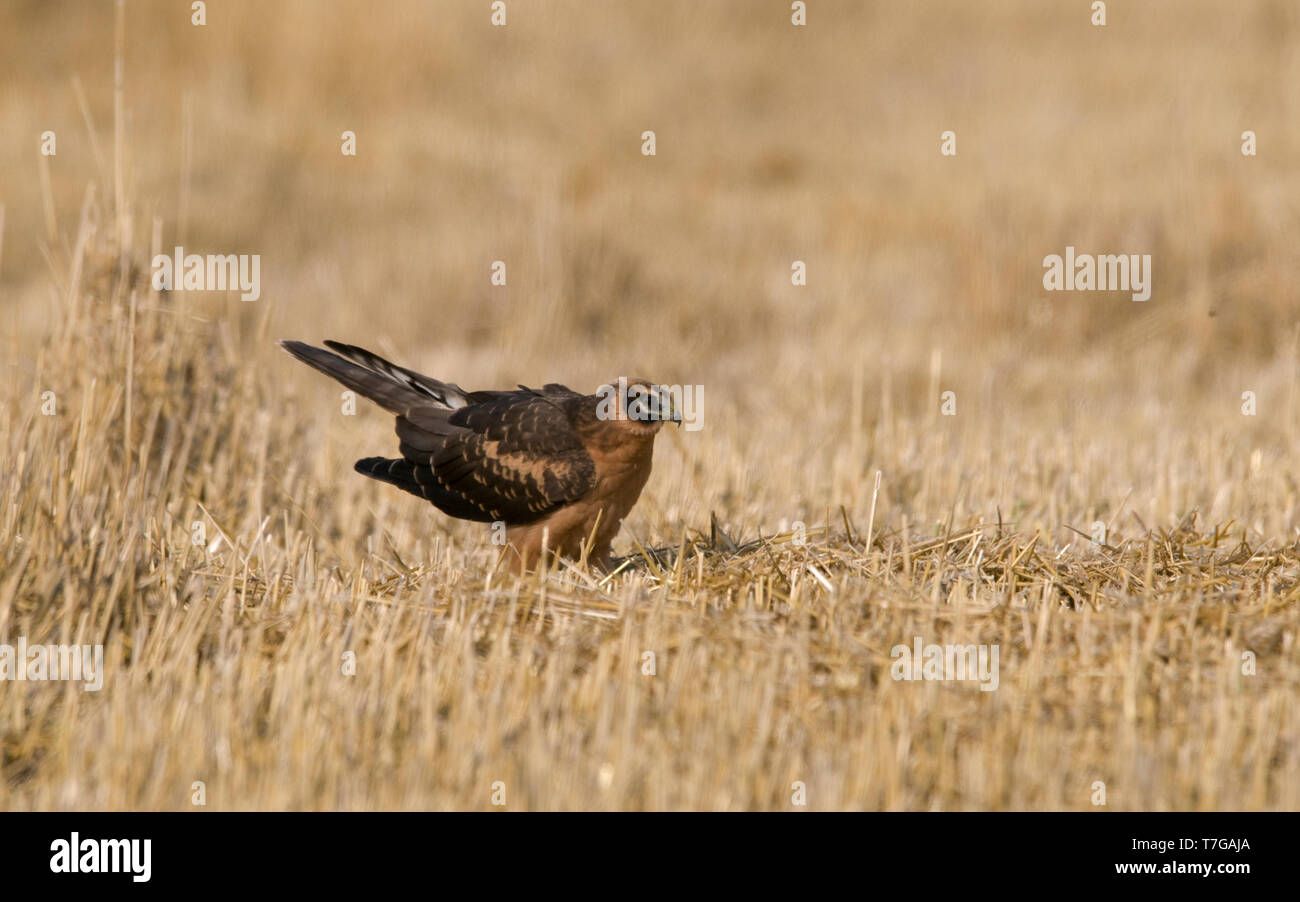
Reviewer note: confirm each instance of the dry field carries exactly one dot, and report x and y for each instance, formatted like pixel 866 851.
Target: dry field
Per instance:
pixel 331 643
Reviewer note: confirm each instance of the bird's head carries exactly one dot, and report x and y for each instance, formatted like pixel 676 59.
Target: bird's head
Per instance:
pixel 638 406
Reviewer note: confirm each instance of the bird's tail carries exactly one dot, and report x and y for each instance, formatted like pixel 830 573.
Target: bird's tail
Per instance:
pixel 392 387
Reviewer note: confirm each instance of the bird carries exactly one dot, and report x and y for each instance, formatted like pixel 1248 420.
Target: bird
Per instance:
pixel 558 469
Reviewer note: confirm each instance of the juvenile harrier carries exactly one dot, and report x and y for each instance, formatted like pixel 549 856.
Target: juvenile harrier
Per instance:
pixel 540 461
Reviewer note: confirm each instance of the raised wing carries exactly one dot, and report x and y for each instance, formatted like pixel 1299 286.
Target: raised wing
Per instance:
pixel 392 387
pixel 482 455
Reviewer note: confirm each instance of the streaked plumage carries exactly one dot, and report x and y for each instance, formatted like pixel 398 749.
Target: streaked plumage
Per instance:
pixel 538 460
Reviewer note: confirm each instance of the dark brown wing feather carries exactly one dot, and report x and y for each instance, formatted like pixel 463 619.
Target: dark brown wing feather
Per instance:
pixel 447 394
pixel 495 455
pixel 513 459
pixel 391 387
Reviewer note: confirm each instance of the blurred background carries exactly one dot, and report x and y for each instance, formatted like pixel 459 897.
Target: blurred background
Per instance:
pixel 775 143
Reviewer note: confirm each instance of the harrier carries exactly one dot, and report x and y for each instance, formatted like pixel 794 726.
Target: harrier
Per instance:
pixel 560 470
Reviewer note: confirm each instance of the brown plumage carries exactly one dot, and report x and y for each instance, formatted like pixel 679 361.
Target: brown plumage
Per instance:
pixel 558 468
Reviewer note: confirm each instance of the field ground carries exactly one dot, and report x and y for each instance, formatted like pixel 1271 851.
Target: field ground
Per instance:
pixel 1160 662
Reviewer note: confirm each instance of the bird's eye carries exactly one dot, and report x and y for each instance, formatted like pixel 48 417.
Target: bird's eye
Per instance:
pixel 640 406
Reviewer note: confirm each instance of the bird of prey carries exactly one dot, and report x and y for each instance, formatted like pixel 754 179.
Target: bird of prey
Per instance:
pixel 559 469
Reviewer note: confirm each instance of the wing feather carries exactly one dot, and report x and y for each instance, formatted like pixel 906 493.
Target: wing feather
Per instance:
pixel 514 458
pixel 485 455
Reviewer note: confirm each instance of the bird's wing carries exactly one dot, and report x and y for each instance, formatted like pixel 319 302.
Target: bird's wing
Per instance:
pixel 513 458
pixel 392 387
pixel 484 455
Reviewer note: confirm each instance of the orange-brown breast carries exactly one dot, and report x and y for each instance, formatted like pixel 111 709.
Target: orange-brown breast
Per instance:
pixel 622 463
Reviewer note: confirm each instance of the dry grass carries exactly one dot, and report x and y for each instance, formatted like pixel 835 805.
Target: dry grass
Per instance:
pixel 1119 663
